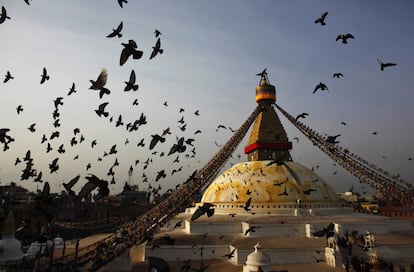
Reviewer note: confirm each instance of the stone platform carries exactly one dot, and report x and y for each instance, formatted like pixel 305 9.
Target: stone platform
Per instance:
pixel 286 239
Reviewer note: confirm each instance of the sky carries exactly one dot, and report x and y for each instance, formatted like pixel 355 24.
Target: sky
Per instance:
pixel 212 53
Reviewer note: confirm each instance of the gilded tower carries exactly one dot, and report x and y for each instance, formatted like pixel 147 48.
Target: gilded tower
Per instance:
pixel 268 139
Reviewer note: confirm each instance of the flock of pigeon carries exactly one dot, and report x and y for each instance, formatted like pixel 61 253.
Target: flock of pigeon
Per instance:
pixel 179 153
pixel 182 147
pixel 344 39
pixel 323 87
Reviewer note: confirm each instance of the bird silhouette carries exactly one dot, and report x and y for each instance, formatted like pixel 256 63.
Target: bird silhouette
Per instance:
pixel 93 143
pixel 156 49
pixel 73 141
pixel 384 65
pixel 230 254
pixel 101 110
pixel 19 109
pixel 178 224
pixel 309 191
pixel 27 2
pixel 262 73
pixel 44 76
pixel 5 139
pixel 130 85
pixel 177 147
pixel 32 127
pixel 189 141
pixel 166 132
pixel 93 182
pixel 302 115
pixel 246 206
pixel 49 148
pixel 113 150
pixel 251 229
pixel 206 208
pixel 61 149
pixel 54 166
pixel 17 161
pixel 344 37
pixel 3 15
pixel 328 231
pixel 181 121
pixel 44 139
pixel 157 33
pixel 321 20
pixel 155 139
pixel 141 143
pixel 100 83
pixel 338 75
pixel 119 121
pixel 332 139
pixel 284 193
pixel 343 123
pixel 58 101
pixel 68 186
pixel 7 77
pixel 116 32
pixel 321 86
pixel 56 113
pixel 72 89
pixel 129 49
pixel 54 134
pixel 121 2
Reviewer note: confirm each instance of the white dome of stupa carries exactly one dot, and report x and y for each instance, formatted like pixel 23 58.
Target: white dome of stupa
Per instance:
pixel 257 259
pixel 10 248
pixel 268 182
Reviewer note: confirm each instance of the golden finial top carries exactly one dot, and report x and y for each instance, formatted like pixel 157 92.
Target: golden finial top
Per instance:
pixel 265 91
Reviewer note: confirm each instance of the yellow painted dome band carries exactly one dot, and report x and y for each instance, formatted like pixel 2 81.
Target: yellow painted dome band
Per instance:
pixel 265 96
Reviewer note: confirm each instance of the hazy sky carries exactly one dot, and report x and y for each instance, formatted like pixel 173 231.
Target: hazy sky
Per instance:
pixel 212 52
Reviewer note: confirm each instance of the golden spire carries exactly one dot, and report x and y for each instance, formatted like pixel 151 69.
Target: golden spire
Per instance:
pixel 268 139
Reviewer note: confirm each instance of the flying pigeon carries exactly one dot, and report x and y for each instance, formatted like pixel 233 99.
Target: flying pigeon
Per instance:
pixel 321 20
pixel 116 32
pixel 387 64
pixel 130 48
pixel 345 37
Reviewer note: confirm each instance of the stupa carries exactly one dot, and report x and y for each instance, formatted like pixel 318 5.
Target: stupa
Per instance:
pixel 294 214
pixel 11 252
pixel 270 180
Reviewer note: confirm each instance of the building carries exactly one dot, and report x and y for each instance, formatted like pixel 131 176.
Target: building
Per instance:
pixel 296 217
